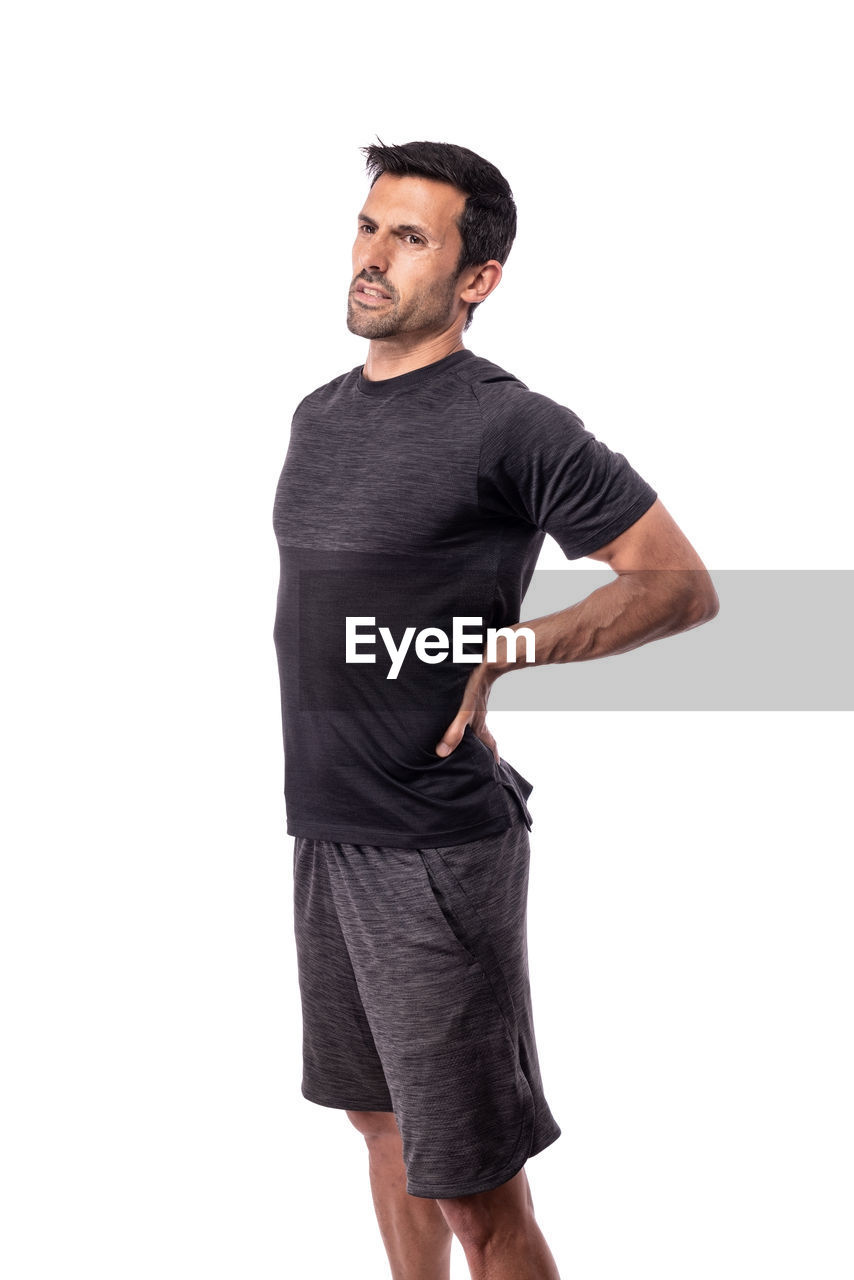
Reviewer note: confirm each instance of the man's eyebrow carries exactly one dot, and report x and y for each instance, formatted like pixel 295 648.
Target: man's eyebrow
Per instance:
pixel 403 226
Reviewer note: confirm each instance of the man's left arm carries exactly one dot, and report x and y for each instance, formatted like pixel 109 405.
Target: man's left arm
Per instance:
pixel 662 587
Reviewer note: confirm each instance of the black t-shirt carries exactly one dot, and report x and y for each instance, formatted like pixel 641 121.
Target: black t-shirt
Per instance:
pixel 417 501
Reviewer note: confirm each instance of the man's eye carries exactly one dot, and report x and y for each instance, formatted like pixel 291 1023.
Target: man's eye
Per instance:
pixel 414 239
pixel 366 227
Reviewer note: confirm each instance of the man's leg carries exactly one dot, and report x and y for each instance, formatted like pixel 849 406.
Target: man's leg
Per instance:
pixel 416 1236
pixel 499 1233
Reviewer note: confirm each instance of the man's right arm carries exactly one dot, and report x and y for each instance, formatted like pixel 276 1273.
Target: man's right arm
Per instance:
pixel 662 587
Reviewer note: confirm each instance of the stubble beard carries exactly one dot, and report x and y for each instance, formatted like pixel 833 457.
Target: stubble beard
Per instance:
pixel 431 311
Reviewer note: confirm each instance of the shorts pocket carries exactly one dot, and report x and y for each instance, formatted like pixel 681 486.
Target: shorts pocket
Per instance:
pixel 467 1110
pixel 465 924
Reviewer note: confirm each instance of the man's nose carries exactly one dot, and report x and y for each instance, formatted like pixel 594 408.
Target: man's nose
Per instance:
pixel 373 253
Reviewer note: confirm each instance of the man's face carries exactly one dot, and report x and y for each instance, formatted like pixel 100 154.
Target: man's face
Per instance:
pixel 405 257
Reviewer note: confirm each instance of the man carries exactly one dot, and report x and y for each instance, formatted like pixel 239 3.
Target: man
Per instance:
pixel 415 496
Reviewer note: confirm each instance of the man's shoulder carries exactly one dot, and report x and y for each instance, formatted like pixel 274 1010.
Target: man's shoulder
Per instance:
pixel 505 398
pixel 330 389
pixel 482 374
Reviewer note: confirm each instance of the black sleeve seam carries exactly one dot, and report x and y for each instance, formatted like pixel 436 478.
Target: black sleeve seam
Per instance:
pixel 479 449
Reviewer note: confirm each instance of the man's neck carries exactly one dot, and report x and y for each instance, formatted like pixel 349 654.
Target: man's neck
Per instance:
pixel 389 357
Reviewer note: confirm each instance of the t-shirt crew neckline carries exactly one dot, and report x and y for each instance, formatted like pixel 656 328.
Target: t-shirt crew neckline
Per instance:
pixel 403 381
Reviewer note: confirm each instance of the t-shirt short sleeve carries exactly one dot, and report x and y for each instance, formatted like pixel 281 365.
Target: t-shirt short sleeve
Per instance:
pixel 540 464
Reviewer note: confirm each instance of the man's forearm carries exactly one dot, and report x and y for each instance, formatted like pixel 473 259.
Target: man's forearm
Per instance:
pixel 638 606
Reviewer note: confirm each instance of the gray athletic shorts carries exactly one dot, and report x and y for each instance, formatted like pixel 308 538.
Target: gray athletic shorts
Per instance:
pixel 413 974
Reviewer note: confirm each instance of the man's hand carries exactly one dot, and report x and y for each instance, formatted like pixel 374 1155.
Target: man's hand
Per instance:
pixel 472 711
pixel 662 587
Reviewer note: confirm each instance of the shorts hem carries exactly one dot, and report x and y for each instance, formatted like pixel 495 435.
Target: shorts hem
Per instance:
pixel 485 1184
pixel 319 1100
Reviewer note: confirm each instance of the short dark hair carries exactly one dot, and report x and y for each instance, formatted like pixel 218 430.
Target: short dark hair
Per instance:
pixel 488 221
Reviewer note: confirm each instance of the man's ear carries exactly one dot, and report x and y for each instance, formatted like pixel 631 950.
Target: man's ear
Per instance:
pixel 479 282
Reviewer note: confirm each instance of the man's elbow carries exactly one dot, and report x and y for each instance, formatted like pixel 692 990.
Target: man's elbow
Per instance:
pixel 700 602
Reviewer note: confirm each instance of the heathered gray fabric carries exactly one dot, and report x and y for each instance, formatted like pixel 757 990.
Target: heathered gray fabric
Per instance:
pixel 413 973
pixel 415 500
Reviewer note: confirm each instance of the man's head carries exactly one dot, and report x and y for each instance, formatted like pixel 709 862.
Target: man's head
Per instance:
pixel 432 237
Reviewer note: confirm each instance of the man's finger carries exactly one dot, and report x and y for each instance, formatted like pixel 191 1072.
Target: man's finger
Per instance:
pixel 452 737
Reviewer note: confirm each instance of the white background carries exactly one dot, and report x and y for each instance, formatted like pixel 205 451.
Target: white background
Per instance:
pixel 181 184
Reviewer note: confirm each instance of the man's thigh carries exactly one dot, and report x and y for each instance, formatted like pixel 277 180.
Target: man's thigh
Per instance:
pixel 437 963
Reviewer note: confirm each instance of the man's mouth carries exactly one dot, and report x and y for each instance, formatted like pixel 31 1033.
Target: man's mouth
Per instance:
pixel 370 294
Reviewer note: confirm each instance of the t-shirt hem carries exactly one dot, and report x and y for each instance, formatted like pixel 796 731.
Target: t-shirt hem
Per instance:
pixel 340 832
